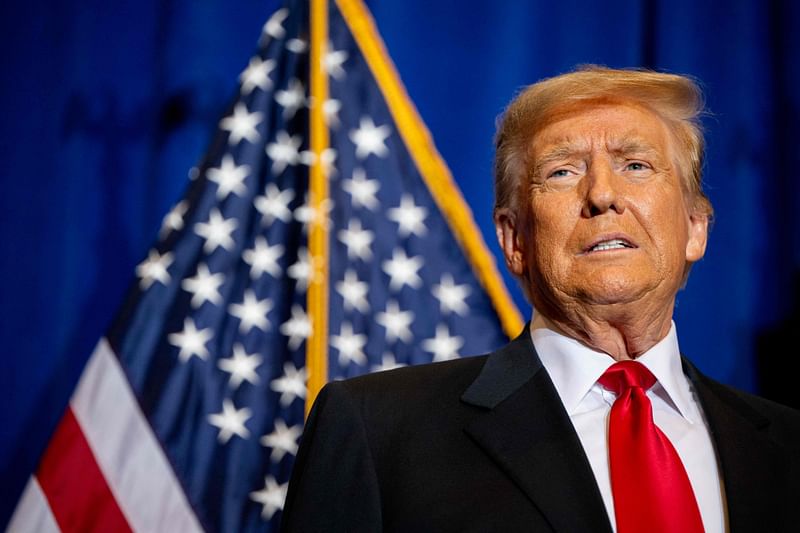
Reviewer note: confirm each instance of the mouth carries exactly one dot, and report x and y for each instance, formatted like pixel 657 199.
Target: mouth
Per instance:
pixel 609 244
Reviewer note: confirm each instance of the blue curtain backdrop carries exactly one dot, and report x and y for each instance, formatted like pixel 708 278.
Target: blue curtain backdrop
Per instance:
pixel 107 105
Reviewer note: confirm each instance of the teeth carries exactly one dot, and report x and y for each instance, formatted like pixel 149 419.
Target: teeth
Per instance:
pixel 614 244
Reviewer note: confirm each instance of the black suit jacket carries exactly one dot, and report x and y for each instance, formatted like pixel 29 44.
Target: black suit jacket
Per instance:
pixel 484 444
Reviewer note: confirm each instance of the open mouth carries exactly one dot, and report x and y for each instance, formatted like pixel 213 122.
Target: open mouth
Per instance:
pixel 611 244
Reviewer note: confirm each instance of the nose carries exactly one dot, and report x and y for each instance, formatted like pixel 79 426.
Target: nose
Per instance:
pixel 602 190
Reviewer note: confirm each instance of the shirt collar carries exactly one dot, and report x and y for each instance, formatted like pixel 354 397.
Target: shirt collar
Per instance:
pixel 574 368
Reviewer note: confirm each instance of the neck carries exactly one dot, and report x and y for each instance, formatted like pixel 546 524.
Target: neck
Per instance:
pixel 617 332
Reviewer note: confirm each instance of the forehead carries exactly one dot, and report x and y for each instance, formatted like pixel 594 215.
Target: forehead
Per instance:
pixel 602 125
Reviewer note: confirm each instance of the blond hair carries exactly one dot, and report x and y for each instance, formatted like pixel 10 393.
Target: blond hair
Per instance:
pixel 677 100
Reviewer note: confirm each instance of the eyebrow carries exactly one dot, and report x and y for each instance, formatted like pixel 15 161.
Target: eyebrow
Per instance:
pixel 620 147
pixel 557 153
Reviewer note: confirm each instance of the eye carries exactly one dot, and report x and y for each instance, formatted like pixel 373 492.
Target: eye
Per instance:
pixel 560 173
pixel 636 165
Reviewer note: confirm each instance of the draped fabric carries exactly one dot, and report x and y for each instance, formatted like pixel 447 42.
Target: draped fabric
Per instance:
pixel 107 106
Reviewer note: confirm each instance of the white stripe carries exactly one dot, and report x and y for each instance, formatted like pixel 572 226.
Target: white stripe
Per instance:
pixel 33 513
pixel 126 450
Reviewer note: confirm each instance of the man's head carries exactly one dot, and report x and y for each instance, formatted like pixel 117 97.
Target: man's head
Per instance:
pixel 601 155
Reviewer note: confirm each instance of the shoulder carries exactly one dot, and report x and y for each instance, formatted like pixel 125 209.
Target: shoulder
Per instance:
pixel 781 422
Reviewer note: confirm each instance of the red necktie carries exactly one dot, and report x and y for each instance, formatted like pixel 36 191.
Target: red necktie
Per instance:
pixel 651 490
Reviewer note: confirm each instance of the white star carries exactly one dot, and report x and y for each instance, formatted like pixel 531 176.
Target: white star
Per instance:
pixel 403 270
pixel 271 497
pixel 291 385
pixel 263 258
pixel 282 440
pixel 204 286
pixel 349 345
pixel 353 292
pixel 284 151
pixel 257 75
pixel 362 190
pixel 230 421
pixel 409 217
pixel 241 366
pixel 307 215
pixel 153 269
pixel 443 346
pixel 308 158
pixel 217 231
pixel 451 296
pixel 357 240
pixel 387 363
pixel 275 204
pixel 333 62
pixel 242 125
pixel 191 341
pixel 229 177
pixel 331 109
pixel 296 46
pixel 396 322
pixel 301 271
pixel 369 138
pixel 173 221
pixel 251 312
pixel 274 26
pixel 291 99
pixel 297 328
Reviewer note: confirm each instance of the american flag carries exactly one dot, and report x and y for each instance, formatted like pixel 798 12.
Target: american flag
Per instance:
pixel 321 238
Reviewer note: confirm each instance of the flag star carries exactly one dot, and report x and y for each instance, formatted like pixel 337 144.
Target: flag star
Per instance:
pixel 369 138
pixel 251 312
pixel 443 346
pixel 263 258
pixel 257 75
pixel 297 328
pixel 308 158
pixel 191 341
pixel 284 151
pixel 388 362
pixel 333 62
pixel 275 204
pixel 357 240
pixel 271 497
pixel 217 231
pixel 292 98
pixel 153 269
pixel 173 221
pixel 204 286
pixel 307 215
pixel 296 46
pixel 242 125
pixel 349 345
pixel 409 217
pixel 396 322
pixel 353 292
pixel 274 26
pixel 301 271
pixel 229 177
pixel 241 366
pixel 362 190
pixel 230 421
pixel 291 385
pixel 403 270
pixel 451 296
pixel 330 109
pixel 282 440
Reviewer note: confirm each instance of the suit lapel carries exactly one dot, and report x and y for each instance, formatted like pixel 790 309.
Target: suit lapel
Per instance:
pixel 527 432
pixel 752 466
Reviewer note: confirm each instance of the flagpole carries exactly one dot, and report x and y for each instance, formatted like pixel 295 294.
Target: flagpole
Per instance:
pixel 317 343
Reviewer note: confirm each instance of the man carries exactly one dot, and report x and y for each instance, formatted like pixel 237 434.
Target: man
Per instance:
pixel 600 214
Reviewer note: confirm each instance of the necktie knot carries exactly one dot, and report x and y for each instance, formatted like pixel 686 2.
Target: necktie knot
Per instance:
pixel 624 375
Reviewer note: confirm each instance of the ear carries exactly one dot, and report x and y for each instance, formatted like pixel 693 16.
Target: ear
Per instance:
pixel 698 237
pixel 507 228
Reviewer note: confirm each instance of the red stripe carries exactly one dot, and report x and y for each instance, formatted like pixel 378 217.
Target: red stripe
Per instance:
pixel 74 485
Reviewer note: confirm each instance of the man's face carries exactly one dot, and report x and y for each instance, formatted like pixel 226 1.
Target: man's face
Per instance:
pixel 607 220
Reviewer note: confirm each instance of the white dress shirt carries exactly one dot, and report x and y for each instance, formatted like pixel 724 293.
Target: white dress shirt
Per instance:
pixel 575 369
